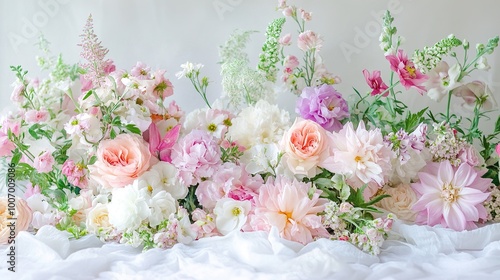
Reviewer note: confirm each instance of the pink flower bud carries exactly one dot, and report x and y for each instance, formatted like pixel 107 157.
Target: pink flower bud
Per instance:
pixel 286 40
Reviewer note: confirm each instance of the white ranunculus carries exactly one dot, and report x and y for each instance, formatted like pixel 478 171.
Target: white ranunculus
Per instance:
pixel 231 214
pixel 129 207
pixel 162 205
pixel 168 180
pixel 262 123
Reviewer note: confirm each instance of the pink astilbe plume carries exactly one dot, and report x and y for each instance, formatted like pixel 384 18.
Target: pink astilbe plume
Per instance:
pixel 94 53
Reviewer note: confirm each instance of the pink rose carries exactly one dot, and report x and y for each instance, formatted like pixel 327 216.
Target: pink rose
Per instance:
pixel 121 160
pixel 23 215
pixel 34 116
pixel 44 162
pixel 306 146
pixel 469 155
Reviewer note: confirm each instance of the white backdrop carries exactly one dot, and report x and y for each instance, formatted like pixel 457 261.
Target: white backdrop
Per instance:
pixel 164 34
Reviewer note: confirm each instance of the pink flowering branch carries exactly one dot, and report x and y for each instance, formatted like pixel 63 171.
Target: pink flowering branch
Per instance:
pixel 94 53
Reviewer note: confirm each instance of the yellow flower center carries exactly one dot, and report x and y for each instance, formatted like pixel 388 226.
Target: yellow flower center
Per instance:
pixel 212 127
pixel 449 193
pixel 236 211
pixel 150 189
pixel 357 158
pixel 411 71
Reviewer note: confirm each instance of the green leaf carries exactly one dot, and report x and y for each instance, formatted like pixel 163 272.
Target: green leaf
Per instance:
pixel 112 134
pixel 92 160
pixel 133 128
pixel 497 125
pixel 88 94
pixel 16 157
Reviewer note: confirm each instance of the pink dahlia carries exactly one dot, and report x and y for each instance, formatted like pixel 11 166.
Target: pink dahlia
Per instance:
pixel 361 155
pixel 409 76
pixel 286 205
pixel 450 196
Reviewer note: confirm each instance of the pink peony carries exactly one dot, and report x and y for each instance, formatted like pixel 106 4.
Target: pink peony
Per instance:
pixel 450 196
pixel 409 76
pixel 121 160
pixel 308 40
pixel 196 156
pixel 229 181
pixel 286 205
pixel 362 156
pixel 375 82
pixel 44 162
pixel 306 146
pixel 23 216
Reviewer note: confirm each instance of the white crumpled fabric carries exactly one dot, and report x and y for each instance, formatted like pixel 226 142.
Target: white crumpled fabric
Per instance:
pixel 412 252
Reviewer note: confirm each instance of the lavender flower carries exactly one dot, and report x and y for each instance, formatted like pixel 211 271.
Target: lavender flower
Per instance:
pixel 94 53
pixel 324 105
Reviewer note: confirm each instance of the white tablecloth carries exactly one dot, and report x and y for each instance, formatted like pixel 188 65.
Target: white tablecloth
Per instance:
pixel 413 252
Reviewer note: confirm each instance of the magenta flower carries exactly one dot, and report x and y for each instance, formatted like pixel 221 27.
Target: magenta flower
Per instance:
pixel 409 76
pixel 498 149
pixel 161 147
pixel 375 82
pixel 323 105
pixel 451 197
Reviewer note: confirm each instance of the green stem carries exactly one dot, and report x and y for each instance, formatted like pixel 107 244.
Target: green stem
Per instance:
pixel 448 107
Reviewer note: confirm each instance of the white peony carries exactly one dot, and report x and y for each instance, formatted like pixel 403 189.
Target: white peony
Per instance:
pixel 162 205
pixel 404 173
pixel 262 123
pixel 231 214
pixel 261 158
pixel 129 207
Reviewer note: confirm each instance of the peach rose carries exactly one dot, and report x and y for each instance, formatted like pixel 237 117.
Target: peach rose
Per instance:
pixel 306 146
pixel 23 221
pixel 402 197
pixel 121 160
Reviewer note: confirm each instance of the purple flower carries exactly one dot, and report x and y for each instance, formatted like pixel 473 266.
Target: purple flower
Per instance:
pixel 323 105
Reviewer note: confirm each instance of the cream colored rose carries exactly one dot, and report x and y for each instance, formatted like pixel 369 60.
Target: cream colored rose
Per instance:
pixel 23 221
pixel 402 199
pixel 98 220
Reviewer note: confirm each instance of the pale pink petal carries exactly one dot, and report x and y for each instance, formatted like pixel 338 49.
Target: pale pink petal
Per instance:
pixel 453 217
pixel 445 173
pixel 469 210
pixel 464 176
pixel 472 196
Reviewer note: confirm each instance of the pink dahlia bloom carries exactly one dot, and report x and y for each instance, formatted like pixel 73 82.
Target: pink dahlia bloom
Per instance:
pixel 375 82
pixel 286 205
pixel 362 156
pixel 196 156
pixel 450 196
pixel 409 76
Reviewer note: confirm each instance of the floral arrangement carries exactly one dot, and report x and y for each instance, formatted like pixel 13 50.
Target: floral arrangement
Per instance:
pixel 107 152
